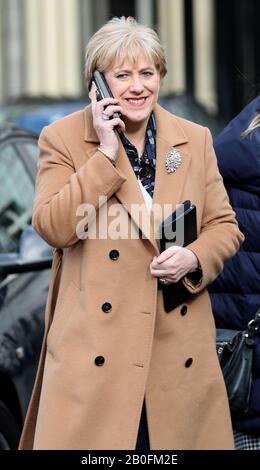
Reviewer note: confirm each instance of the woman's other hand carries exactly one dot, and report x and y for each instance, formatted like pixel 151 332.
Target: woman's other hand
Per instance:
pixel 104 127
pixel 174 263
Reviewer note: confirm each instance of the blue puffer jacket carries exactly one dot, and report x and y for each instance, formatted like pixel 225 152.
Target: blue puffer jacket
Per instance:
pixel 235 295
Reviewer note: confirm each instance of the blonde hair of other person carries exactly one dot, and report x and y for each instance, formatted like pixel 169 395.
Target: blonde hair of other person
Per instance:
pixel 252 125
pixel 122 39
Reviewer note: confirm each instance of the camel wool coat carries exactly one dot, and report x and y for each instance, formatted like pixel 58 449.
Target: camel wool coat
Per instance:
pixel 108 341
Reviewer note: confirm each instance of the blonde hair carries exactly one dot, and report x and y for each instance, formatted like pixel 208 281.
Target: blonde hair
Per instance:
pixel 122 39
pixel 252 126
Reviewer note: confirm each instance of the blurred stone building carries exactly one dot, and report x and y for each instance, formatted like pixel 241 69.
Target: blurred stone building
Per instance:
pixel 212 47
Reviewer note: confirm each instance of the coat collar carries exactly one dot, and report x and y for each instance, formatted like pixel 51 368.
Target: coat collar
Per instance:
pixel 168 186
pixel 90 134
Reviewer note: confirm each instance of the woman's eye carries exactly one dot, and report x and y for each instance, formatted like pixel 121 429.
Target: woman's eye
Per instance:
pixel 122 76
pixel 147 73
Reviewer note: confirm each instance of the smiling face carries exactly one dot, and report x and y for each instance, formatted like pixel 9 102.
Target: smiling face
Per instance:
pixel 136 86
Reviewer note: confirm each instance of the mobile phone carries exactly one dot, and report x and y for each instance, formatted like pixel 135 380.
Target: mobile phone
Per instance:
pixel 103 90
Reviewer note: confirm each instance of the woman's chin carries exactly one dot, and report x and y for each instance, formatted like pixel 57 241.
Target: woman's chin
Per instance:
pixel 136 116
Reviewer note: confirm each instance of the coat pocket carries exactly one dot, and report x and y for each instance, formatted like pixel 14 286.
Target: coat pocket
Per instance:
pixel 67 301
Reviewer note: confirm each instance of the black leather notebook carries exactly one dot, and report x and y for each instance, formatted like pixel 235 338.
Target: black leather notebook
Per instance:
pixel 180 228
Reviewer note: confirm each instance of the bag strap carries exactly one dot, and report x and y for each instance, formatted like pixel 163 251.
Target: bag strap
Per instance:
pixel 253 325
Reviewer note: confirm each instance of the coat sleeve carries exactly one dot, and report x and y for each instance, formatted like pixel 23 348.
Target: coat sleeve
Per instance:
pixel 219 237
pixel 61 190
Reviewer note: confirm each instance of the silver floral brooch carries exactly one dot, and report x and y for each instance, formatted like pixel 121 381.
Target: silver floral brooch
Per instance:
pixel 173 160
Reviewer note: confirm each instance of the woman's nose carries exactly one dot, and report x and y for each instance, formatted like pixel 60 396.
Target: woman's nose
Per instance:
pixel 136 85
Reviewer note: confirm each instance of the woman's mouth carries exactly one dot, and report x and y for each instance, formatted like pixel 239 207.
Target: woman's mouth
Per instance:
pixel 136 102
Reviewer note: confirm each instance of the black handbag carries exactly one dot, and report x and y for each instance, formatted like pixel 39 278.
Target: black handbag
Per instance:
pixel 235 351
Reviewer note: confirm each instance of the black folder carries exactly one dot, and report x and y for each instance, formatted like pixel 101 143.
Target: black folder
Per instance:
pixel 183 220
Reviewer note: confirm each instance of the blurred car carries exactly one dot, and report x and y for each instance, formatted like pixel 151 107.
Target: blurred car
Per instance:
pixel 22 106
pixel 25 260
pixel 9 112
pixel 44 115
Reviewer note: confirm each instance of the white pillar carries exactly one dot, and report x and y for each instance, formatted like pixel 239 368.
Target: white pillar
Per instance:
pixel 171 32
pixel 71 51
pixel 144 11
pixel 101 13
pixel 33 55
pixel 12 51
pixel 204 54
pixel 1 54
pixel 53 48
pixel 86 18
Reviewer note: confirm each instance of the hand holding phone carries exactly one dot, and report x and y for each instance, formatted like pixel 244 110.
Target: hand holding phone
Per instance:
pixel 105 122
pixel 103 90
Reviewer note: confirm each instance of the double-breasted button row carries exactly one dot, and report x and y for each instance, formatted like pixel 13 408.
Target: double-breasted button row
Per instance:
pixel 183 312
pixel 100 361
pixel 113 255
pixel 107 307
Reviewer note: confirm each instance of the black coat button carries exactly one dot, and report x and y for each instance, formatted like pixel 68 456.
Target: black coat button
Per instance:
pixel 106 307
pixel 99 361
pixel 184 310
pixel 114 255
pixel 189 362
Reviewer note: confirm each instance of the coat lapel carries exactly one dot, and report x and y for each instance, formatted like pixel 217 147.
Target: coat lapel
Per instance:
pixel 129 194
pixel 168 186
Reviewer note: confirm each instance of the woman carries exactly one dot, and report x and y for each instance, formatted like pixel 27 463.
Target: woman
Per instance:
pixel 109 346
pixel 235 294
